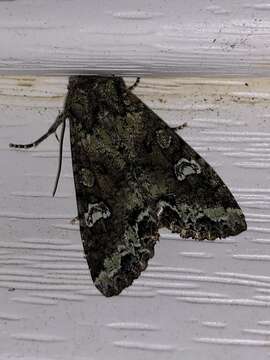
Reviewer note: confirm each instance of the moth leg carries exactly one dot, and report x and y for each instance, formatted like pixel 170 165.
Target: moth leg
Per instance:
pixel 55 133
pixel 180 127
pixel 59 120
pixel 132 87
pixel 60 156
pixel 74 220
pixel 57 138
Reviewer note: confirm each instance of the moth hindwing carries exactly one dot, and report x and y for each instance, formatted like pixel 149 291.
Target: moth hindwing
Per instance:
pixel 133 175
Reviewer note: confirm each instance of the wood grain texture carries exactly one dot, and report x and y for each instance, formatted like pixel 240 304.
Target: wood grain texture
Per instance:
pixel 194 38
pixel 196 299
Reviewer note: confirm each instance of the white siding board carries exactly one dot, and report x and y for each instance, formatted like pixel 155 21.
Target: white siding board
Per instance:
pixel 156 37
pixel 197 299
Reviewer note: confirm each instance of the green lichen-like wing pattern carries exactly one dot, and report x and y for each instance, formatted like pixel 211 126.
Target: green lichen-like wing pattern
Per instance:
pixel 133 174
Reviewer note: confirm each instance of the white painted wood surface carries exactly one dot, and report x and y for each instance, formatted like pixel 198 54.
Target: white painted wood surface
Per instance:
pixel 197 300
pixel 190 38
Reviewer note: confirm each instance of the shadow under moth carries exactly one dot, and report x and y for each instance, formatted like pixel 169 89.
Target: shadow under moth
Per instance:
pixel 134 174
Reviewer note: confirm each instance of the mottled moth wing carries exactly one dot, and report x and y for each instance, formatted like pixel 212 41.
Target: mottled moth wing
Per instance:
pixel 133 174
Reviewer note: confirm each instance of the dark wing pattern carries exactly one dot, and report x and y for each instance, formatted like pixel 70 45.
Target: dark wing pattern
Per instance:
pixel 133 175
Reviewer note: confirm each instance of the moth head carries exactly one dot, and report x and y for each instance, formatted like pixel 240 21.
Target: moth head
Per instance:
pixel 97 95
pixel 106 85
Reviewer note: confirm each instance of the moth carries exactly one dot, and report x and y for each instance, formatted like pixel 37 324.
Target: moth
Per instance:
pixel 134 174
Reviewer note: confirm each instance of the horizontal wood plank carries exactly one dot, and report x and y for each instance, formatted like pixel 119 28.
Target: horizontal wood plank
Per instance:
pixel 197 299
pixel 156 37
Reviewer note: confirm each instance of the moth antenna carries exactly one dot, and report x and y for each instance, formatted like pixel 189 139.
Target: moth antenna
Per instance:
pixel 56 136
pixel 59 120
pixel 61 142
pixel 132 87
pixel 180 127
